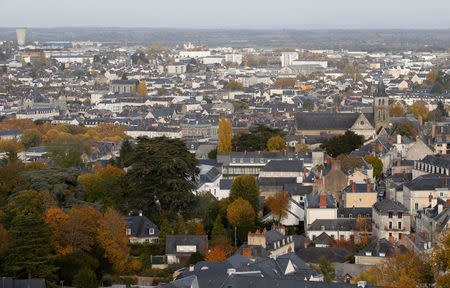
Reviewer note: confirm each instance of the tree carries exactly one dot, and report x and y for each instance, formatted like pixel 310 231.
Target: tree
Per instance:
pixel 29 254
pixel 326 268
pixel 285 82
pixel 212 154
pixel 350 162
pixel 142 89
pixel 80 230
pixel 162 91
pixel 276 144
pixel 195 228
pixel 66 151
pixel 240 212
pixel 162 176
pixel 256 139
pixel 216 254
pixel 308 104
pixel 440 258
pixel 225 136
pixel 431 77
pixel 126 150
pixel 419 109
pixel 396 110
pixel 94 187
pixel 196 257
pixel 27 202
pixel 233 85
pixel 343 144
pixel 376 164
pixel 164 230
pixel 406 128
pixel 180 226
pixel 245 187
pixel 279 204
pixel 85 278
pixel 112 238
pixel 56 219
pixel 218 228
pixel 31 138
pixel 4 240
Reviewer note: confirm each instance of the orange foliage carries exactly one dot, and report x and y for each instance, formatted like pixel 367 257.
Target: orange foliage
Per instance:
pixel 81 227
pixel 279 204
pixel 56 219
pixel 36 166
pixel 240 212
pixel 11 145
pixel 216 254
pixel 199 230
pixel 12 123
pixel 108 171
pixel 113 239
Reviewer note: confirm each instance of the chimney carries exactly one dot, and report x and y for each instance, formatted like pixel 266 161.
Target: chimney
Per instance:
pixel 304 173
pixel 140 213
pixel 247 252
pixel 353 186
pixel 368 187
pixel 380 147
pixel 323 200
pixel 305 244
pixel 433 130
pixel 413 238
pixel 391 141
pixel 430 198
pixel 399 139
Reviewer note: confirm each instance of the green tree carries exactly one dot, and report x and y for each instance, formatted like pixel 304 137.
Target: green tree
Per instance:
pixel 327 269
pixel 376 164
pixel 218 228
pixel 196 257
pixel 256 139
pixel 164 230
pixel 126 150
pixel 94 187
pixel 308 104
pixel 162 91
pixel 343 144
pixel 67 152
pixel 406 128
pixel 180 226
pixel 31 138
pixel 85 278
pixel 162 176
pixel 245 187
pixel 212 154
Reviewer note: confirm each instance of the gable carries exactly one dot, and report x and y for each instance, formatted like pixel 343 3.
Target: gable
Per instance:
pixel 362 123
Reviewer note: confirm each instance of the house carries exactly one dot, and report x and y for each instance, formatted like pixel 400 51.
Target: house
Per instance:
pixel 432 164
pixel 376 252
pixel 123 86
pixel 179 248
pixel 335 179
pixel 434 218
pixel 419 192
pixel 391 220
pixel 418 151
pixel 10 134
pixel 283 168
pixel 319 206
pixel 359 194
pixel 274 241
pixel 141 230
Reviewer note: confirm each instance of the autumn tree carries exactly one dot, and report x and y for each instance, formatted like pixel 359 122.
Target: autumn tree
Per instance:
pixel 431 77
pixel 245 187
pixel 278 204
pixel 276 144
pixel 240 212
pixel 111 235
pixel 233 85
pixel 180 226
pixel 195 228
pixel 142 89
pixel 14 123
pixel 376 164
pixel 216 254
pixel 285 82
pixel 225 136
pixel 94 187
pixel 56 219
pixel 80 228
pixel 31 138
pixel 396 110
pixel 326 268
pixel 406 128
pixel 440 259
pixel 349 162
pixel 419 109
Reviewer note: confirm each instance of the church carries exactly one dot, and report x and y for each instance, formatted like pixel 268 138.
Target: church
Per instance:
pixel 364 124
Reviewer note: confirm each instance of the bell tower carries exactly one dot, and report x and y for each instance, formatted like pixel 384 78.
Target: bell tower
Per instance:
pixel 381 107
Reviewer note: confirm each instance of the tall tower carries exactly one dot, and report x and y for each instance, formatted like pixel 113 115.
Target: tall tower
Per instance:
pixel 21 34
pixel 381 106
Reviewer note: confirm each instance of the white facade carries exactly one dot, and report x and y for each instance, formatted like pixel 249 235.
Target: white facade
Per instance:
pixel 287 58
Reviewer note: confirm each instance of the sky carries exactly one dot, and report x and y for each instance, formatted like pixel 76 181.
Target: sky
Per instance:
pixel 234 14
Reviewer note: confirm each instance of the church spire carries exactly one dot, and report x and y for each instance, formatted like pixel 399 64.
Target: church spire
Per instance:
pixel 381 90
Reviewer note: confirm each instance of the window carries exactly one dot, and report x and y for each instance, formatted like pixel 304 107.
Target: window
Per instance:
pixel 400 235
pixel 390 214
pixel 390 235
pixel 362 122
pixel 186 248
pixel 390 225
pixel 399 225
pixel 416 206
pixel 151 231
pixel 400 214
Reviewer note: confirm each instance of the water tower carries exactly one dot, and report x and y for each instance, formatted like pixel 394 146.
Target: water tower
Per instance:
pixel 21 35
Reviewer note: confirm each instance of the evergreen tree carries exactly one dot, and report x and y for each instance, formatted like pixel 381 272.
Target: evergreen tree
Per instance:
pixel 180 226
pixel 245 186
pixel 218 228
pixel 29 254
pixel 125 153
pixel 164 230
pixel 85 278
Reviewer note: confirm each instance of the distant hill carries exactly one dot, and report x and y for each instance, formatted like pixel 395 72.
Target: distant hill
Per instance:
pixel 367 40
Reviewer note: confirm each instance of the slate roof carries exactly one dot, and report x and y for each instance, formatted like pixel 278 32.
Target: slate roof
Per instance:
pixel 323 239
pixel 387 205
pixel 325 121
pixel 140 225
pixel 343 212
pixel 340 224
pixel 225 184
pixel 442 161
pixel 283 166
pixel 297 189
pixel 257 250
pixel 428 182
pixel 172 241
pixel 314 198
pixel 313 254
pixel 376 247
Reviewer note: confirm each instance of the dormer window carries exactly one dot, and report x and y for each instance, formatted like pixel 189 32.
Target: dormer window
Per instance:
pixel 390 214
pixel 151 231
pixel 400 215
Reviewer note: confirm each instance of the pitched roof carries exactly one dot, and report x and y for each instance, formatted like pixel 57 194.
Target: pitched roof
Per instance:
pixel 140 225
pixel 172 241
pixel 388 205
pixel 326 121
pixel 428 182
pixel 283 166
